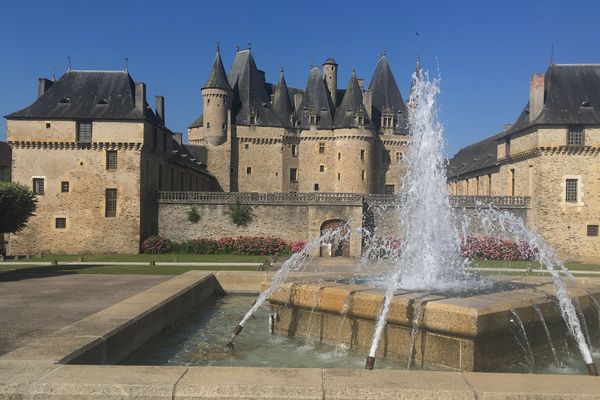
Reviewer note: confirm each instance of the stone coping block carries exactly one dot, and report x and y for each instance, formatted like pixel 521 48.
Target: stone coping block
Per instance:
pixel 20 380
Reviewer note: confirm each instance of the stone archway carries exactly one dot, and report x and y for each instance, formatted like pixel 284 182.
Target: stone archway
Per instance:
pixel 336 247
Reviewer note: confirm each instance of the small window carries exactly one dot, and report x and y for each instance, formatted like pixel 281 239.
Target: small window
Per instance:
pixel 571 191
pixel 223 126
pixel 389 190
pixel 84 132
pixel 363 175
pixel 575 136
pixel 316 187
pixel 360 120
pixel 293 175
pixel 294 150
pixel 312 119
pixel 110 206
pixel 399 156
pixel 248 170
pixel 362 154
pixel 321 168
pixel 246 146
pixel 102 102
pixel 111 160
pixel 339 176
pixel 339 156
pixel 48 125
pixel 321 148
pixel 208 125
pixel 38 186
pixel 207 101
pixel 60 223
pixel 252 120
pixel 64 187
pixel 592 230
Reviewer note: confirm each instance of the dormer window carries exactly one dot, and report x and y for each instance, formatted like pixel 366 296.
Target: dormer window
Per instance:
pixel 360 120
pixel 102 101
pixel 312 119
pixel 253 120
pixel 65 100
pixel 586 104
pixel 387 122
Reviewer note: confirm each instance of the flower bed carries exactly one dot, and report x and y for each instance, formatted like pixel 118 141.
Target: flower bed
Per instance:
pixel 493 248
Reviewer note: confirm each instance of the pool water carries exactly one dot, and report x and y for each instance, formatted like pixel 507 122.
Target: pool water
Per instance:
pixel 199 339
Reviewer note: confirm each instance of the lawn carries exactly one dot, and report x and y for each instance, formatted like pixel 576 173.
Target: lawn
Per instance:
pixel 532 264
pixel 169 257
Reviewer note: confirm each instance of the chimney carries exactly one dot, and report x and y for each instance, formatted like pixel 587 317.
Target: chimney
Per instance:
pixel 140 96
pixel 43 86
pixel 160 108
pixel 177 137
pixel 536 96
pixel 361 84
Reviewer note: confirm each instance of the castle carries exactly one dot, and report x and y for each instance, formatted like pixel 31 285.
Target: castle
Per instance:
pixel 262 137
pixel 550 154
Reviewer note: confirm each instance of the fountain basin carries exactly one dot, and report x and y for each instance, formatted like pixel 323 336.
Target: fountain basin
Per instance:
pixel 470 333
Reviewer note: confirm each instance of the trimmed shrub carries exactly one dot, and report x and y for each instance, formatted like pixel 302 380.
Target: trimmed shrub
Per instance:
pixel 193 215
pixel 157 245
pixel 240 214
pixel 205 246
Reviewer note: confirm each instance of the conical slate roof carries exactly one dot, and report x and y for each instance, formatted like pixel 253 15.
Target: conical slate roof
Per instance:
pixel 217 78
pixel 316 101
pixel 386 97
pixel 282 104
pixel 351 106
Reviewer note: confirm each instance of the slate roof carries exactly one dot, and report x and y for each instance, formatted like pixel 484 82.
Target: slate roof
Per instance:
pixel 477 156
pixel 572 96
pixel 351 106
pixel 182 155
pixel 315 100
pixel 282 103
pixel 5 155
pixel 386 97
pixel 95 95
pixel 249 92
pixel 217 78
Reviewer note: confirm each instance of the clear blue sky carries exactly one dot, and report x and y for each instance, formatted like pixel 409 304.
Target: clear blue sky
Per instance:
pixel 486 50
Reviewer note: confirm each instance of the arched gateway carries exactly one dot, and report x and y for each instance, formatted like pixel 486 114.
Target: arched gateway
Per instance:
pixel 336 247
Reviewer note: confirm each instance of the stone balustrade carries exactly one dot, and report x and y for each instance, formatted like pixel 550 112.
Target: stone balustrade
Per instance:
pixel 330 198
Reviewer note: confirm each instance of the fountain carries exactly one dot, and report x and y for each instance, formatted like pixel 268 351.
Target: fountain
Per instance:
pixel 422 301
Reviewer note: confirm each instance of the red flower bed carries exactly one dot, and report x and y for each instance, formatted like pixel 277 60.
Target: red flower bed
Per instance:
pixel 492 248
pixel 249 245
pixel 157 245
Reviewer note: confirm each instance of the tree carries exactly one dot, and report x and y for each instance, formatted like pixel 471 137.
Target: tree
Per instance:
pixel 17 204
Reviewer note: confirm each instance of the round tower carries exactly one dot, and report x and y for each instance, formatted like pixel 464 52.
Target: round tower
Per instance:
pixel 217 96
pixel 330 71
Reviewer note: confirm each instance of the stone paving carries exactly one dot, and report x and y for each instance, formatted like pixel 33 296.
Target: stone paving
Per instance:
pixel 33 305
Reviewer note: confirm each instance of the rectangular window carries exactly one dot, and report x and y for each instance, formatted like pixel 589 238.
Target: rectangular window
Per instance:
pixel 512 183
pixel 110 207
pixel 339 176
pixel 575 136
pixel 571 191
pixel 313 119
pixel 389 190
pixel 321 148
pixel 592 230
pixel 246 146
pixel 111 160
pixel 38 186
pixel 339 156
pixel 362 154
pixel 489 184
pixel 252 120
pixel 316 187
pixel 321 168
pixel 60 223
pixel 293 175
pixel 84 132
pixel 248 170
pixel 398 156
pixel 64 187
pixel 294 151
pixel 363 175
pixel 48 125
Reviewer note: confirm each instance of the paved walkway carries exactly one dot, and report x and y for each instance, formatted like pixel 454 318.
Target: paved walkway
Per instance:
pixel 33 305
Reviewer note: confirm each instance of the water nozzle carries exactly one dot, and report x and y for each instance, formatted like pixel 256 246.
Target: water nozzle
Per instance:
pixel 236 332
pixel 592 370
pixel 370 363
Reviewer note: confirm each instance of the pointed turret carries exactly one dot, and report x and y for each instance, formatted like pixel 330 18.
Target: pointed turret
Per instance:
pixel 217 96
pixel 217 78
pixel 282 104
pixel 389 110
pixel 351 113
pixel 315 109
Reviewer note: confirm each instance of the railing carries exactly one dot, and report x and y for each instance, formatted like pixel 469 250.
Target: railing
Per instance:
pixel 330 198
